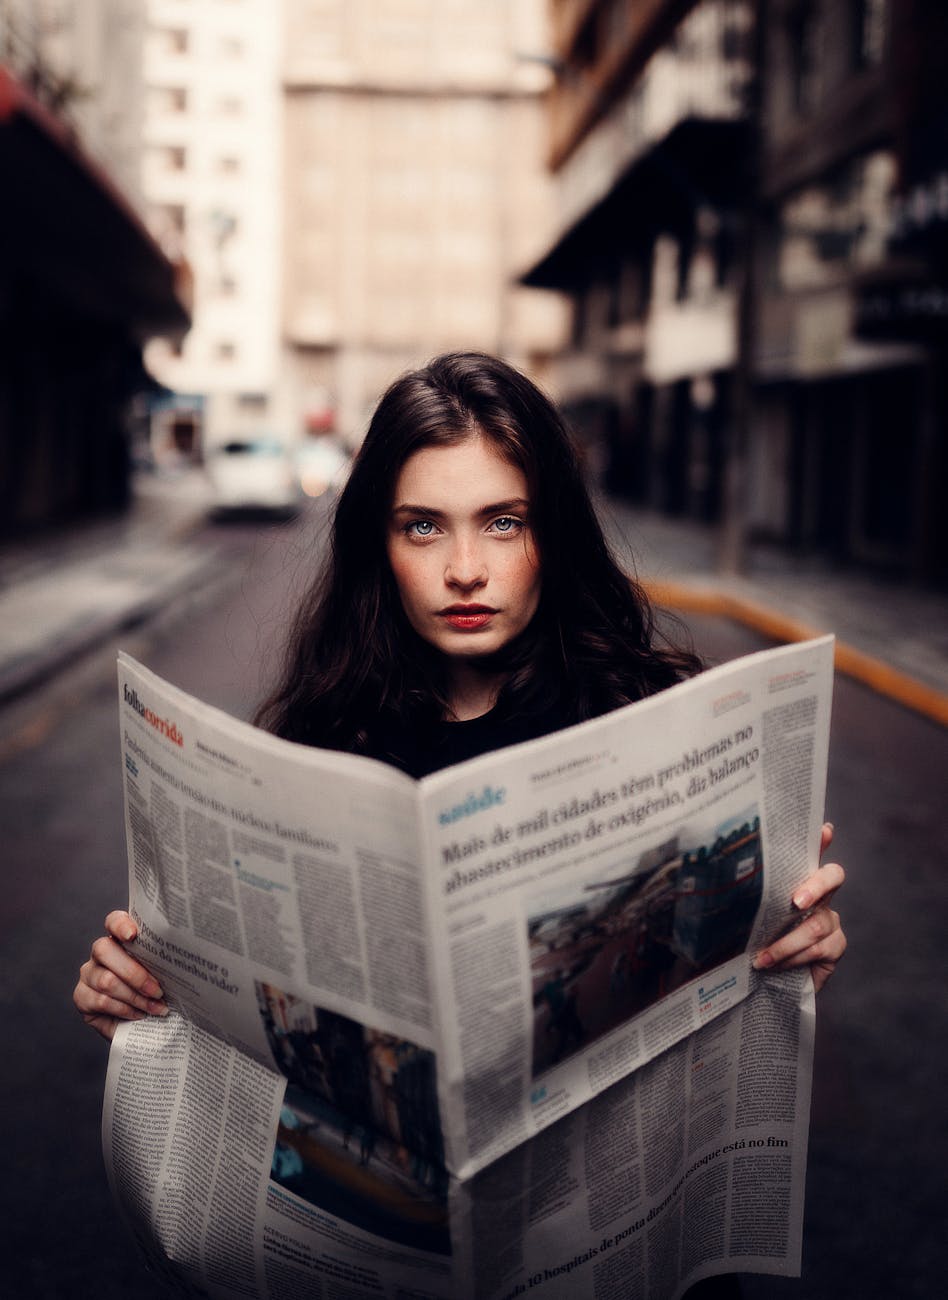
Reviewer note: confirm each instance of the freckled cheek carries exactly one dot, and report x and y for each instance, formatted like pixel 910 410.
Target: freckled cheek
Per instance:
pixel 414 578
pixel 522 577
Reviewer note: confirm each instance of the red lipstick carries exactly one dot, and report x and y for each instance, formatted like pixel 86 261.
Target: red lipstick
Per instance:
pixel 467 618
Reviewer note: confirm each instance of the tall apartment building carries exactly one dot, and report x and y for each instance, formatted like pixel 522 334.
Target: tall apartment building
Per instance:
pixel 754 224
pixel 352 184
pixel 648 141
pixel 415 189
pixel 211 175
pixel 850 453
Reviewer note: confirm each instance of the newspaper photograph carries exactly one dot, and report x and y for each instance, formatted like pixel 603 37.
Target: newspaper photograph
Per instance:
pixel 488 1033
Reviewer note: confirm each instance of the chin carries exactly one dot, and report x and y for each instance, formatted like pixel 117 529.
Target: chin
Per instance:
pixel 472 649
pixel 469 645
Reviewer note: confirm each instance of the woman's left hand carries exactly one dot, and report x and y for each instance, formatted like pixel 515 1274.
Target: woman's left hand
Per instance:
pixel 818 941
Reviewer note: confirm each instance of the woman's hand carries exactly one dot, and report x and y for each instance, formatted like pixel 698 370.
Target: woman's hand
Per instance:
pixel 818 941
pixel 114 986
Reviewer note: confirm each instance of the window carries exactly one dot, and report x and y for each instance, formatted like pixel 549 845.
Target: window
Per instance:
pixel 223 226
pixel 176 40
pixel 225 350
pixel 228 166
pixel 840 221
pixel 165 100
pixel 230 106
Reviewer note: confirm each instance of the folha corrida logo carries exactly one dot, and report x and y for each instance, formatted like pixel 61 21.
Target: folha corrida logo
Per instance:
pixel 167 729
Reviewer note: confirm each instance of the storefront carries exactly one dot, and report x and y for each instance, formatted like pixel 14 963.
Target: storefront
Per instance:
pixel 82 286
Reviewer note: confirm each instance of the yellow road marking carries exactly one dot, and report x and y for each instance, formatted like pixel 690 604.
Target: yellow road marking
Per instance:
pixel 872 672
pixel 28 736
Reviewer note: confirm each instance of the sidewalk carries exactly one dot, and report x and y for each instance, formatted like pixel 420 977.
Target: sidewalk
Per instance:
pixel 890 636
pixel 64 595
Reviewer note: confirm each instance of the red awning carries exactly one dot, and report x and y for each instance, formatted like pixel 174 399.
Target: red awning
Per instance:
pixel 64 222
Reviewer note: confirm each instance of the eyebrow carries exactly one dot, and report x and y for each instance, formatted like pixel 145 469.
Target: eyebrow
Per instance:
pixel 495 508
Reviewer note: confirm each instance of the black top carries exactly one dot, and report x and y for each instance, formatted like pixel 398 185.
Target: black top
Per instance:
pixel 434 745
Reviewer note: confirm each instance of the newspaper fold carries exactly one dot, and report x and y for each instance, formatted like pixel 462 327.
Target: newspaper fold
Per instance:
pixel 488 1033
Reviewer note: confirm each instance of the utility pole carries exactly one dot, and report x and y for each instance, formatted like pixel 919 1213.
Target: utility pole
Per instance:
pixel 732 534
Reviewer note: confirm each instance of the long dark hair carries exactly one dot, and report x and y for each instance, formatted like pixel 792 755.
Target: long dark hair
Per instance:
pixel 355 669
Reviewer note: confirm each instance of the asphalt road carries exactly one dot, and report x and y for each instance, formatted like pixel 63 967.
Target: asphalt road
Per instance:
pixel 876 1189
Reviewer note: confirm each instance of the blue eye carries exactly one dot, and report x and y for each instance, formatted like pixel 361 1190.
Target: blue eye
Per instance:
pixel 419 528
pixel 507 524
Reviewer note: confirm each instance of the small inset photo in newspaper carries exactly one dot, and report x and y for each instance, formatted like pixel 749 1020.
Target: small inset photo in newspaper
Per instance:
pixel 604 951
pixel 359 1132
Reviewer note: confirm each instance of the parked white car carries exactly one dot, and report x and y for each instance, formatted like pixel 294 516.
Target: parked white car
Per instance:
pixel 322 464
pixel 253 473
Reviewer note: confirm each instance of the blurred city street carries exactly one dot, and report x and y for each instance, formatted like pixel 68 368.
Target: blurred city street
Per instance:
pixel 876 1177
pixel 715 232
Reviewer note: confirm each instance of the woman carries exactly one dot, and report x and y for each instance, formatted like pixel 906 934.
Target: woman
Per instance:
pixel 469 602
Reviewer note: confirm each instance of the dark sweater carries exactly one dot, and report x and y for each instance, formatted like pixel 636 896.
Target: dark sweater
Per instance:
pixel 433 745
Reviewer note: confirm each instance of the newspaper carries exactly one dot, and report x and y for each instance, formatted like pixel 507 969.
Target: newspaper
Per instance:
pixel 491 1033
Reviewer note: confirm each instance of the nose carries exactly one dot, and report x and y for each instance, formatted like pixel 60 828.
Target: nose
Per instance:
pixel 466 568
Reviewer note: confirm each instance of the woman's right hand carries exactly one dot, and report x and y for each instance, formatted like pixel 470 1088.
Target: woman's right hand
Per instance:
pixel 114 986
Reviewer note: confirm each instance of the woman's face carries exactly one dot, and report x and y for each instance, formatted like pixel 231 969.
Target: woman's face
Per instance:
pixel 461 549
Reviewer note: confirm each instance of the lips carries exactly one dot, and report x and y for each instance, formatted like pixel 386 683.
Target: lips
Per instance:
pixel 467 618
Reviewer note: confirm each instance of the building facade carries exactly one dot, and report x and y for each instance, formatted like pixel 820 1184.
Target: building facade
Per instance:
pixel 82 284
pixel 211 176
pixel 753 203
pixel 849 447
pixel 353 185
pixel 415 189
pixel 648 151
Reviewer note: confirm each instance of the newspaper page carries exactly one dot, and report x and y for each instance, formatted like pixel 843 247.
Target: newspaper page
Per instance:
pixel 481 1034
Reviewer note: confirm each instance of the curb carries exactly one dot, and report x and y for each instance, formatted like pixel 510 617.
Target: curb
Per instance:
pixel 20 677
pixel 878 676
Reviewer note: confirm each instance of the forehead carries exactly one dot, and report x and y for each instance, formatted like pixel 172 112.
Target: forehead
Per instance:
pixel 462 476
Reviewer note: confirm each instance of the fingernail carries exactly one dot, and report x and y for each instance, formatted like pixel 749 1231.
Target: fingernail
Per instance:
pixel 126 932
pixel 830 825
pixel 152 989
pixel 763 960
pixel 802 900
pixel 158 1008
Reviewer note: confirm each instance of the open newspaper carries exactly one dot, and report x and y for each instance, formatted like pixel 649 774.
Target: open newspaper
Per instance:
pixel 491 1033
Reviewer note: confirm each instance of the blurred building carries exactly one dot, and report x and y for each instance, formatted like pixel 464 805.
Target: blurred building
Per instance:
pixel 211 175
pixel 82 284
pixel 415 189
pixel 848 453
pixel 649 157
pixel 353 184
pixel 753 200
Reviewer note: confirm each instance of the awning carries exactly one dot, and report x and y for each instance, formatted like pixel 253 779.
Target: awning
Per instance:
pixel 64 223
pixel 902 301
pixel 700 163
